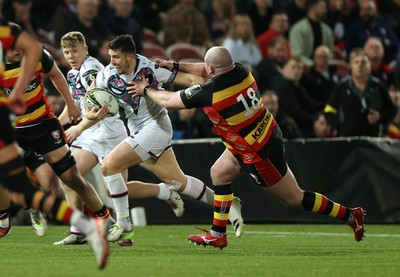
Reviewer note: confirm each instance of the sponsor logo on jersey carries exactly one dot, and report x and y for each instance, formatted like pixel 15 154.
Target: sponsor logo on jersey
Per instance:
pixel 192 91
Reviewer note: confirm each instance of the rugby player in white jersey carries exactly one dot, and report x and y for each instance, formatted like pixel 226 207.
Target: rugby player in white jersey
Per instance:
pixel 94 137
pixel 150 129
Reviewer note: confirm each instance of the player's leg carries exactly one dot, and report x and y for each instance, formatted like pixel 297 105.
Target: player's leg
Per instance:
pixel 13 177
pixel 224 170
pixel 5 224
pixel 168 170
pixel 288 192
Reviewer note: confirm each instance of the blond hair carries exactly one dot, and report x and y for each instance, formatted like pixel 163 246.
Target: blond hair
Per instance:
pixel 71 39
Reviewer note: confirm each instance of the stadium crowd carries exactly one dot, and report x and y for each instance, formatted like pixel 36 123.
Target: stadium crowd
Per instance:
pixel 327 68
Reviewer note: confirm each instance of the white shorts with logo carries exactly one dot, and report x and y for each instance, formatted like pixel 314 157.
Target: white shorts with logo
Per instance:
pixel 101 138
pixel 152 139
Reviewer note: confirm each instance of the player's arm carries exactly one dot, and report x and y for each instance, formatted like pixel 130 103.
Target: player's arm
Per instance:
pixel 92 117
pixel 164 98
pixel 71 110
pixel 32 53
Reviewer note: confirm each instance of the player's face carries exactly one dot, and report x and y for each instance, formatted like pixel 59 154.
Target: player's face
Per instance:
pixel 14 55
pixel 120 61
pixel 75 55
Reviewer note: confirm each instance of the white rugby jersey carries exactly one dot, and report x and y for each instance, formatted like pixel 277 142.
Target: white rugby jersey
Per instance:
pixel 137 109
pixel 80 80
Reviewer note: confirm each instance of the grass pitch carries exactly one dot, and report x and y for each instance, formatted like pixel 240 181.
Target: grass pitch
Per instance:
pixel 264 250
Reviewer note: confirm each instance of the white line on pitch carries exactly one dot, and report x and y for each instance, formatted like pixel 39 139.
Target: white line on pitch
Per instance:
pixel 314 234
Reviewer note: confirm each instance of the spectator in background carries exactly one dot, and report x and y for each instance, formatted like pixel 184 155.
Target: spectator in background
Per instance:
pixel 185 23
pixel 322 129
pixel 65 9
pixel 320 80
pixel 339 19
pixel 293 98
pixel 150 13
pixel 278 28
pixel 360 104
pixel 295 10
pixel 260 13
pixel 120 22
pixel 393 130
pixel 191 123
pixel 310 32
pixel 219 16
pixel 241 42
pixel 88 23
pixel 370 25
pixel 20 13
pixel 391 8
pixel 272 65
pixel 289 127
pixel 375 52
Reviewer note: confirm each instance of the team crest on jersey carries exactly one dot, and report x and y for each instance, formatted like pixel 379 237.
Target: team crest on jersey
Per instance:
pixel 56 136
pixel 192 91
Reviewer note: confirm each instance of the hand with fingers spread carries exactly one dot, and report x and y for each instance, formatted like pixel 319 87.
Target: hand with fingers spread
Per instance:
pixel 137 88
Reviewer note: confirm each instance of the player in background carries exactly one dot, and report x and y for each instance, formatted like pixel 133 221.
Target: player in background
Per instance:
pixel 150 131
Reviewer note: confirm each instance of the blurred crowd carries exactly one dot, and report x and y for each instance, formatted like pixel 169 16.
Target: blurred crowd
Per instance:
pixel 325 68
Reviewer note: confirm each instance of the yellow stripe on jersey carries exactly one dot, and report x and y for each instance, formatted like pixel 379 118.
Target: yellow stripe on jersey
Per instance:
pixel 31 116
pixel 3 97
pixel 226 93
pixel 32 94
pixel 5 31
pixel 260 131
pixel 330 109
pixel 224 197
pixel 16 72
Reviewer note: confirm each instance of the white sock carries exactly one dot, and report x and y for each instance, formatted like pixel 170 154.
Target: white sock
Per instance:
pixel 198 190
pixel 165 193
pixel 74 230
pixel 119 196
pixel 5 222
pixel 82 222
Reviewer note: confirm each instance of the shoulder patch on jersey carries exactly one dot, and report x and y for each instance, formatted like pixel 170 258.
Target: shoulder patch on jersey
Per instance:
pixel 192 91
pixel 90 76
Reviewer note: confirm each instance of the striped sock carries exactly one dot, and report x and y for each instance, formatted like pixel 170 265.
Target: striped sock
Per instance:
pixel 223 197
pixel 318 203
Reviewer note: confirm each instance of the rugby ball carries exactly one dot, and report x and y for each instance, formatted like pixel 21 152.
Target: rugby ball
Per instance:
pixel 98 97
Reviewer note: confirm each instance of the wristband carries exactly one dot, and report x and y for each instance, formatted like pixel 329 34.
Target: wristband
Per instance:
pixel 146 88
pixel 176 66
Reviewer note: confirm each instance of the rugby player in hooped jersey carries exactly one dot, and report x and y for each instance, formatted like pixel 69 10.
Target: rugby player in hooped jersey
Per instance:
pixel 150 128
pixel 12 170
pixel 252 138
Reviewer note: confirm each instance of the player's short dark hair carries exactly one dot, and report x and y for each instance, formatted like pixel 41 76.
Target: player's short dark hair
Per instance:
pixel 124 43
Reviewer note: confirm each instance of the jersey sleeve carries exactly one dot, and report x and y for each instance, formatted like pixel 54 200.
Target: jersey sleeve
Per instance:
pixel 89 74
pixel 163 75
pixel 47 61
pixel 197 96
pixel 101 79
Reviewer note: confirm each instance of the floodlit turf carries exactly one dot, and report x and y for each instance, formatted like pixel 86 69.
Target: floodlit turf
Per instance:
pixel 264 250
